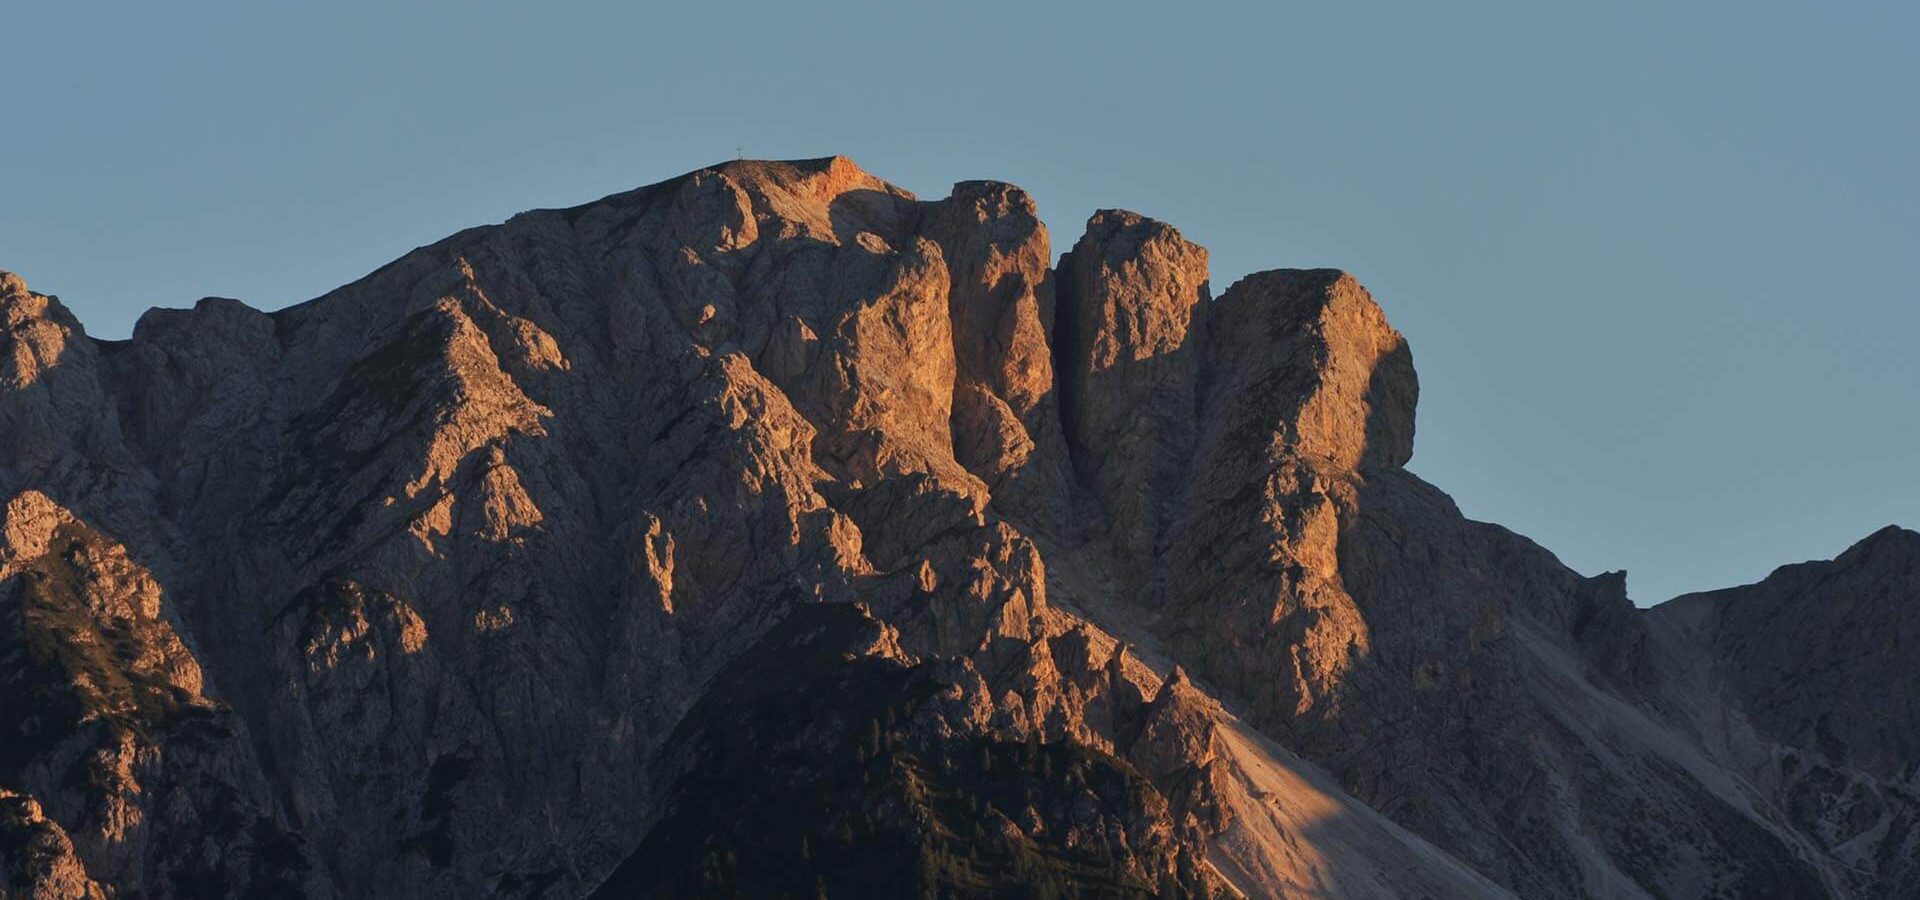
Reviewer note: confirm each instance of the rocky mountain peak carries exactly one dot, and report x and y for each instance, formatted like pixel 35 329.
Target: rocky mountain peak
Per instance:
pixel 1889 546
pixel 13 288
pixel 1132 295
pixel 771 530
pixel 37 327
pixel 1315 341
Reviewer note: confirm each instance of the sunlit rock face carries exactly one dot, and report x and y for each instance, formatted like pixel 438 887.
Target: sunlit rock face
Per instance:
pixel 770 530
pixel 1133 292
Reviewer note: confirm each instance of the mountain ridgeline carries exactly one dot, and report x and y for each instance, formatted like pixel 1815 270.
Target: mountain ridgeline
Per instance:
pixel 769 532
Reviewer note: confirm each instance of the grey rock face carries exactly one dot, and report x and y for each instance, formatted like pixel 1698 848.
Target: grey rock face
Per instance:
pixel 122 772
pixel 447 583
pixel 1815 663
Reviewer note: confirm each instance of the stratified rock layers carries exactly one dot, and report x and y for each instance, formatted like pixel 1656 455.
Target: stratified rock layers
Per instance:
pixel 768 530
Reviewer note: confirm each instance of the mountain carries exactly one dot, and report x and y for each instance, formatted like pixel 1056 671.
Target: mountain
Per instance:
pixel 768 531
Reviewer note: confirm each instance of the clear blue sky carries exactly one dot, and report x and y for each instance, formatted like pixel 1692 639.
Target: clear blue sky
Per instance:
pixel 1658 262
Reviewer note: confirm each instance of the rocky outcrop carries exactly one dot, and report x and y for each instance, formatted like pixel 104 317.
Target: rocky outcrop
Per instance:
pixel 578 553
pixel 36 856
pixel 1132 297
pixel 1005 404
pixel 1304 382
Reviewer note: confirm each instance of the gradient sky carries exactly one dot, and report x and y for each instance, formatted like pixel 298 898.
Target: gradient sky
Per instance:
pixel 1657 262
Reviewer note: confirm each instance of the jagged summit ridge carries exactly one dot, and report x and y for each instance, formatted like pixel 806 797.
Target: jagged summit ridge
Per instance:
pixel 1114 584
